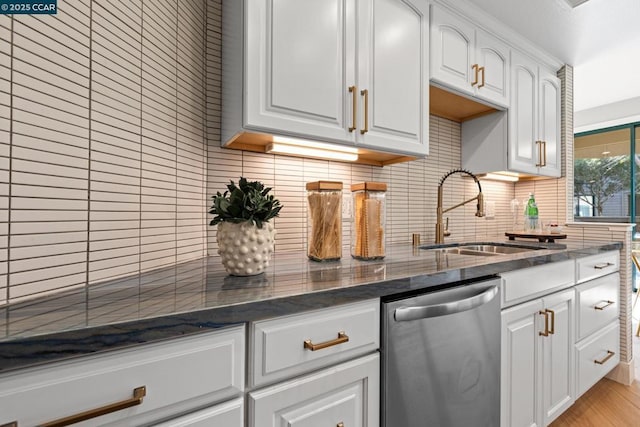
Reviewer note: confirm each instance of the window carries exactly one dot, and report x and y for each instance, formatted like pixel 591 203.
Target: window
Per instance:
pixel 602 175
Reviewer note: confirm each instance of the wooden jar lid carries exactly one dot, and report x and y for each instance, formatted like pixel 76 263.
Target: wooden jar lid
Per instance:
pixel 369 186
pixel 324 185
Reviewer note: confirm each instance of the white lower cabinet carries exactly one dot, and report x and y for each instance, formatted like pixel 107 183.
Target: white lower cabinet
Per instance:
pixel 557 346
pixel 343 395
pixel 597 355
pixel 598 340
pixel 161 380
pixel 228 414
pixel 537 360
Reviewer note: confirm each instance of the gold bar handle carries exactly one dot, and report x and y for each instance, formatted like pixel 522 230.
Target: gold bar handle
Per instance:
pixel 544 153
pixel 481 84
pixel 602 307
pixel 603 265
pixel 475 68
pixel 546 323
pixel 365 93
pixel 138 394
pixel 342 338
pixel 609 355
pixel 354 92
pixel 553 321
pixel 539 164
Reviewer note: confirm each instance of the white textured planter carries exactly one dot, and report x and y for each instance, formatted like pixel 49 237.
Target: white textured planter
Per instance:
pixel 244 248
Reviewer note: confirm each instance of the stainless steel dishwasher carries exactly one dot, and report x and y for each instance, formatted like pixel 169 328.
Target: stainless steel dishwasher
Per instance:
pixel 441 358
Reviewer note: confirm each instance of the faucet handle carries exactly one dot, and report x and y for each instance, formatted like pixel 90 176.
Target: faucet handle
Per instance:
pixel 447 233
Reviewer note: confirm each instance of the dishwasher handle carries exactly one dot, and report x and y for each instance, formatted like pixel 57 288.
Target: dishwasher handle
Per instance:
pixel 404 314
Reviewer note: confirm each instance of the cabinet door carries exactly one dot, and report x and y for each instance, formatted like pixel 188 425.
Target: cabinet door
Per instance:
pixel 549 115
pixel 523 127
pixel 452 50
pixel 520 379
pixel 558 390
pixel 393 59
pixel 347 393
pixel 494 56
pixel 299 65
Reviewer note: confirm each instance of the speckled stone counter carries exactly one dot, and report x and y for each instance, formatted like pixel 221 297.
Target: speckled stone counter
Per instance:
pixel 198 296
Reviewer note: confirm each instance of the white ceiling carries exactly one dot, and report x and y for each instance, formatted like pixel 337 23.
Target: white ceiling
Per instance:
pixel 600 38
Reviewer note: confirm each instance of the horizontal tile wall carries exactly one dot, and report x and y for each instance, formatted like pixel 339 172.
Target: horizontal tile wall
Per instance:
pixel 412 186
pixel 5 148
pixel 102 142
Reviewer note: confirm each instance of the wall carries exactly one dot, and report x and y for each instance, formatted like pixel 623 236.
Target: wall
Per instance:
pixel 411 196
pixel 102 142
pixel 109 151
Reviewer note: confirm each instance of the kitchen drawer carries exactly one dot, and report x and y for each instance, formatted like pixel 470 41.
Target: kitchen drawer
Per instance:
pixel 597 355
pixel 528 283
pixel 228 414
pixel 278 345
pixel 593 266
pixel 348 393
pixel 598 303
pixel 179 375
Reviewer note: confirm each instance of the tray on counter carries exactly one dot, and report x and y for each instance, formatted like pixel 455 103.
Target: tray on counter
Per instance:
pixel 544 237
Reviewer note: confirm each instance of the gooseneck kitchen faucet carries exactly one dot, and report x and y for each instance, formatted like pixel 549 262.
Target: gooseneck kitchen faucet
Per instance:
pixel 441 232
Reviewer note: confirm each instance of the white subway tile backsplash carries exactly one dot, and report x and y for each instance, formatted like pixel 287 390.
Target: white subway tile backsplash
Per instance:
pixel 30 87
pixel 48 41
pixel 47 238
pixel 20 253
pixel 50 192
pixel 61 117
pixel 43 275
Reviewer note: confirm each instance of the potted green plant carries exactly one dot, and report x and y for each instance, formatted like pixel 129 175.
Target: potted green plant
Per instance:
pixel 245 232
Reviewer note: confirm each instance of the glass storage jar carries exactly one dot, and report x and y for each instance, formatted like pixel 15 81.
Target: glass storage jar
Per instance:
pixel 368 220
pixel 324 225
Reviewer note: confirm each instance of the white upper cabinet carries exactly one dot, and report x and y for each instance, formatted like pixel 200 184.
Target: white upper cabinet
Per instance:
pixel 468 59
pixel 393 61
pixel 534 136
pixel 299 63
pixel 493 56
pixel 353 72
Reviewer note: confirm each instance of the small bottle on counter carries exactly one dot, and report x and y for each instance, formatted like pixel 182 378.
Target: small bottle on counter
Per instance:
pixel 368 220
pixel 324 225
pixel 531 214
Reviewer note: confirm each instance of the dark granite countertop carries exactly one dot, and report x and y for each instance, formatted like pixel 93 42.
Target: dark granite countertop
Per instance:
pixel 198 296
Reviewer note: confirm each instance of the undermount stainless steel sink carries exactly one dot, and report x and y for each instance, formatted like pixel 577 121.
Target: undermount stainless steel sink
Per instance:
pixel 481 249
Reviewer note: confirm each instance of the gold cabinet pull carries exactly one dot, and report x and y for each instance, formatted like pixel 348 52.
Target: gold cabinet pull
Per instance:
pixel 354 113
pixel 138 394
pixel 603 265
pixel 475 68
pixel 365 93
pixel 342 338
pixel 553 321
pixel 539 164
pixel 482 70
pixel 607 303
pixel 609 355
pixel 545 313
pixel 544 153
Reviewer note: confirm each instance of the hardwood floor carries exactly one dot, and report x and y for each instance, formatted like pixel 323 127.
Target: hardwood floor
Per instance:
pixel 608 403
